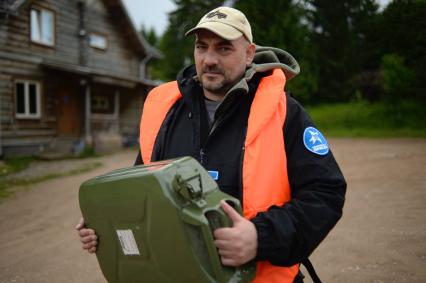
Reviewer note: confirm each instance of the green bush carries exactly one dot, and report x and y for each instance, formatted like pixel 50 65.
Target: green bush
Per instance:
pixel 396 78
pixel 12 165
pixel 364 119
pixel 87 152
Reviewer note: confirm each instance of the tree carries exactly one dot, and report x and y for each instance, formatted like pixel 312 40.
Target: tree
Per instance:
pixel 402 31
pixel 282 24
pixel 150 35
pixel 396 78
pixel 339 37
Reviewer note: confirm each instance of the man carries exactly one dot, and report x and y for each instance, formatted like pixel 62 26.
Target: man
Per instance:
pixel 231 113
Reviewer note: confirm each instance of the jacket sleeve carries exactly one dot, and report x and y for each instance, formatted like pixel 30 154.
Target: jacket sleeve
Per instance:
pixel 289 234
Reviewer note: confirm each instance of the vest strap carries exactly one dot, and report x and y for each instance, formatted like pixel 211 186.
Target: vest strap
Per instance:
pixel 156 106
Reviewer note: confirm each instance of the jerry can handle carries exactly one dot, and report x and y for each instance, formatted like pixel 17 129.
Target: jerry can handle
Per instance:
pixel 213 218
pixel 193 218
pixel 218 218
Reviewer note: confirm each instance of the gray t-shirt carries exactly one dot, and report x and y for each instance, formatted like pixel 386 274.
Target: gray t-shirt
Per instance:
pixel 211 107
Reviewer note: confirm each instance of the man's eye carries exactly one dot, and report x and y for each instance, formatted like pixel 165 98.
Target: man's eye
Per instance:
pixel 224 49
pixel 200 47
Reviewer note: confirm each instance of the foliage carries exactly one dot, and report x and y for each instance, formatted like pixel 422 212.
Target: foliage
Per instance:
pixel 305 85
pixel 402 31
pixel 150 35
pixel 396 78
pixel 287 30
pixel 338 30
pixel 340 45
pixel 365 119
pixel 15 164
pixel 87 152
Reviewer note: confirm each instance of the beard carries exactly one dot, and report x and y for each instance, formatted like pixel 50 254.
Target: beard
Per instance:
pixel 215 80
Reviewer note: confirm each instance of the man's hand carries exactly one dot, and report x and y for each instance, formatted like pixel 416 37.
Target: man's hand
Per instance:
pixel 87 237
pixel 238 244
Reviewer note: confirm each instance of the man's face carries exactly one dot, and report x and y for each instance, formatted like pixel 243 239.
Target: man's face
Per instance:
pixel 220 63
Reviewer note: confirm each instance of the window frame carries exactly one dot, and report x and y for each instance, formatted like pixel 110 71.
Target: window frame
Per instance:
pixel 102 105
pixel 27 114
pixel 94 33
pixel 40 9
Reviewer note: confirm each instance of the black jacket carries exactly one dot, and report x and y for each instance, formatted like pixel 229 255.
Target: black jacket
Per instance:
pixel 288 234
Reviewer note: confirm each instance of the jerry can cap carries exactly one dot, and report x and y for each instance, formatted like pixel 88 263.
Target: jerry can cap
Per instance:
pixel 187 183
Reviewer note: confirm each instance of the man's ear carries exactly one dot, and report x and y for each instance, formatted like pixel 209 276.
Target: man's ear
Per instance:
pixel 251 49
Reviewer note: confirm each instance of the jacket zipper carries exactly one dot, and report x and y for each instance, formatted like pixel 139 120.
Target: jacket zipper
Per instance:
pixel 212 130
pixel 202 154
pixel 240 181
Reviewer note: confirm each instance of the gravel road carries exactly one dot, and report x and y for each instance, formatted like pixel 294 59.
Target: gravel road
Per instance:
pixel 381 237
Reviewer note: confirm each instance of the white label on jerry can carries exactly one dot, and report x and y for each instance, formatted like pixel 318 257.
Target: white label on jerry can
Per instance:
pixel 128 242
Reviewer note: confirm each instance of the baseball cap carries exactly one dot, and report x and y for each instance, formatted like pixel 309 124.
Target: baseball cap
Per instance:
pixel 226 22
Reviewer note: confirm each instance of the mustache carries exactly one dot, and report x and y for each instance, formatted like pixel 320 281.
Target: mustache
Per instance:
pixel 212 69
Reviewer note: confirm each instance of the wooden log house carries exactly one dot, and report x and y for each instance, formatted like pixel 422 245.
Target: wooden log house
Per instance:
pixel 72 73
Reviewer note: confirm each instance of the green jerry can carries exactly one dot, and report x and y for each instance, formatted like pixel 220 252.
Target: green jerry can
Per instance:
pixel 155 224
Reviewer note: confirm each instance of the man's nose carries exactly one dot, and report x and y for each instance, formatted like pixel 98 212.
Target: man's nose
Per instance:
pixel 210 58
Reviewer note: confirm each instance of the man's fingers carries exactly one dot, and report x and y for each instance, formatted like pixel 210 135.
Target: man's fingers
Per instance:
pixel 222 244
pixel 223 233
pixel 238 244
pixel 226 253
pixel 80 224
pixel 230 211
pixel 88 239
pixel 86 232
pixel 228 261
pixel 90 245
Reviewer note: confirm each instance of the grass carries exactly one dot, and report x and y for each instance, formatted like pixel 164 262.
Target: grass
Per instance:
pixel 364 119
pixel 87 153
pixel 15 165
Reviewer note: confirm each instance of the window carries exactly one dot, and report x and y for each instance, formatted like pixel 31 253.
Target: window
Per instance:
pixel 102 104
pixel 98 41
pixel 42 26
pixel 27 99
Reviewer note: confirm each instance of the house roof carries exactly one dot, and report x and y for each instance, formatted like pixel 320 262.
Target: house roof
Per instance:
pixel 117 11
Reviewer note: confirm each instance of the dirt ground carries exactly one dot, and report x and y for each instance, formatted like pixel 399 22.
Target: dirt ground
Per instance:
pixel 381 237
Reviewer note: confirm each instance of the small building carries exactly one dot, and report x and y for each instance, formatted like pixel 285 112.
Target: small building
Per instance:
pixel 72 73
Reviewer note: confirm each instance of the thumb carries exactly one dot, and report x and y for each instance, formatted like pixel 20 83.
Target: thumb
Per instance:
pixel 231 212
pixel 80 224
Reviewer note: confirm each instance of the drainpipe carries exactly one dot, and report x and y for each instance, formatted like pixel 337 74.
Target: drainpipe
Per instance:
pixel 82 34
pixel 1 145
pixel 83 60
pixel 88 112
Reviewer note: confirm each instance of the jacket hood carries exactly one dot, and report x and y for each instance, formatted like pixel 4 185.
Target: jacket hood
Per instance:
pixel 269 58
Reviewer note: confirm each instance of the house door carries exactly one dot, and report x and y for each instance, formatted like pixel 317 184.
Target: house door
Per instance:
pixel 69 112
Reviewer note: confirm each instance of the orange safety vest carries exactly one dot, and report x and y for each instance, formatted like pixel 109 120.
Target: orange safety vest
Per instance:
pixel 265 179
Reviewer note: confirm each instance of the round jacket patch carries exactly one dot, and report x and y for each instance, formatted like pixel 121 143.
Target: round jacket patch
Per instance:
pixel 314 141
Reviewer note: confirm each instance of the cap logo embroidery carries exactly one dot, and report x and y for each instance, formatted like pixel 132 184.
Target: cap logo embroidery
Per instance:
pixel 217 14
